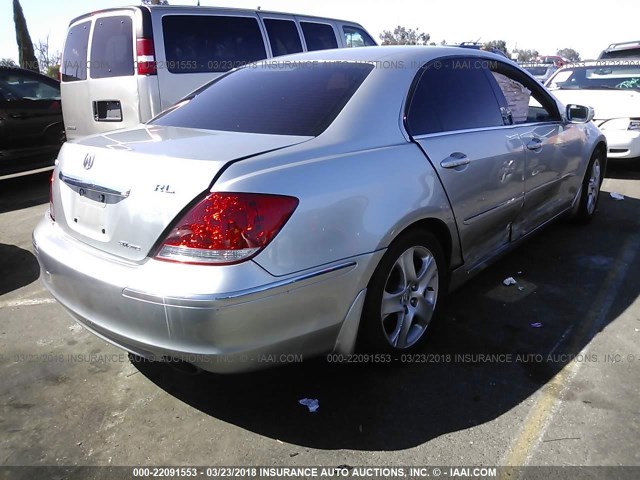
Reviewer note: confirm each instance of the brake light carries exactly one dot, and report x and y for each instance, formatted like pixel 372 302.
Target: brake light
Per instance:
pixel 146 60
pixel 51 212
pixel 227 228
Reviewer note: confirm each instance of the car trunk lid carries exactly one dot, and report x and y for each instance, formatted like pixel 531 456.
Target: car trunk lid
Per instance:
pixel 119 191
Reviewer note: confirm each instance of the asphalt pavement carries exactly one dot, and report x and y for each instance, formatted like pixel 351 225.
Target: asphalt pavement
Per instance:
pixel 544 372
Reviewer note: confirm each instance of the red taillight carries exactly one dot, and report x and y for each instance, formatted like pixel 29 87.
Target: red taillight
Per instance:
pixel 146 59
pixel 51 212
pixel 227 228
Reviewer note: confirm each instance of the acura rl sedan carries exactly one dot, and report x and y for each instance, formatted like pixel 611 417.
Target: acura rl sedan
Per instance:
pixel 315 203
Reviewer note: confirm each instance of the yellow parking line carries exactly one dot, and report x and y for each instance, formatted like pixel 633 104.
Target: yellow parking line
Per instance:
pixel 544 406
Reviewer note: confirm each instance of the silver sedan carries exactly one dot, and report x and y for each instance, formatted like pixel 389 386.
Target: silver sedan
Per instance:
pixel 316 203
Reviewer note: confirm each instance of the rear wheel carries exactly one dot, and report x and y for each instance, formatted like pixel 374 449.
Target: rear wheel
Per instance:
pixel 591 188
pixel 403 294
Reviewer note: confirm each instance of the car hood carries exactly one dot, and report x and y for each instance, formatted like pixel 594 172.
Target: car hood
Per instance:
pixel 606 103
pixel 119 191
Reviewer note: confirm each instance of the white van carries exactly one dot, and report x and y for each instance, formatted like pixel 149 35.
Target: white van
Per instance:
pixel 123 66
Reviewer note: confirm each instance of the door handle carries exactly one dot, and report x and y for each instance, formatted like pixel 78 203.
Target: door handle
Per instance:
pixel 534 144
pixel 456 159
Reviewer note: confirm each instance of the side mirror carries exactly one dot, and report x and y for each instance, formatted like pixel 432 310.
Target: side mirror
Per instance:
pixel 579 113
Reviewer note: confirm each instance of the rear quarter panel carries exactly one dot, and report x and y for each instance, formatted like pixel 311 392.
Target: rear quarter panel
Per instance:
pixel 350 203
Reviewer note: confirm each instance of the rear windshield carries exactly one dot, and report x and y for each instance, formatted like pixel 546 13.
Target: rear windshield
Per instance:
pixel 207 43
pixel 74 58
pixel 112 47
pixel 275 98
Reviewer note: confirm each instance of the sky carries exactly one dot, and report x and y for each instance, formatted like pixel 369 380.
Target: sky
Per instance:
pixel 544 25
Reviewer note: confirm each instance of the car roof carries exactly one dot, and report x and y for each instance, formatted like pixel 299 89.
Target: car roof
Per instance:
pixel 416 55
pixel 203 9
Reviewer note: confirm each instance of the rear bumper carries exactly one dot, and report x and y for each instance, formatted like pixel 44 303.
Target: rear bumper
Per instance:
pixel 220 318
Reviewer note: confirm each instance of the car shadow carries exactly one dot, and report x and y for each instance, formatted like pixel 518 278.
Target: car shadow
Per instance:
pixel 19 268
pixel 24 192
pixel 624 170
pixel 492 348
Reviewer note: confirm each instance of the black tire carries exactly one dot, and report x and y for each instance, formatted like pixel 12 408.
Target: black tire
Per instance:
pixel 417 298
pixel 591 184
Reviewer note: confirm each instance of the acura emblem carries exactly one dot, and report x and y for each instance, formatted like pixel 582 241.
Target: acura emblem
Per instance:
pixel 88 161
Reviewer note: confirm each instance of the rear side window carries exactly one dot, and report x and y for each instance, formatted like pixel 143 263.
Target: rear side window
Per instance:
pixel 319 36
pixel 112 47
pixel 283 36
pixel 453 94
pixel 205 43
pixel 74 58
pixel 300 99
pixel 18 85
pixel 356 37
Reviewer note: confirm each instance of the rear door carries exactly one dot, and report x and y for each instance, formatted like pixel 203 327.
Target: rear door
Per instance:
pixel 74 86
pixel 114 101
pixel 455 118
pixel 193 49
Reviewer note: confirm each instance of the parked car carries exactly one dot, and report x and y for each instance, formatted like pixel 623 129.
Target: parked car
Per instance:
pixel 314 204
pixel 621 50
pixel 123 66
pixel 31 129
pixel 541 71
pixel 556 60
pixel 612 88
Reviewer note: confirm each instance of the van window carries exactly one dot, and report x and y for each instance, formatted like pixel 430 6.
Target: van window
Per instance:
pixel 356 37
pixel 206 43
pixel 283 36
pixel 319 36
pixel 112 47
pixel 74 58
pixel 300 99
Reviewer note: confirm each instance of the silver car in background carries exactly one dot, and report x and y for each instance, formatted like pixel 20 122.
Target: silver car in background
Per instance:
pixel 317 203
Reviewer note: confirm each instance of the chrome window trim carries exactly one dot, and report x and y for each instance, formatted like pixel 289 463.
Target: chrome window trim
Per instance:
pixel 484 129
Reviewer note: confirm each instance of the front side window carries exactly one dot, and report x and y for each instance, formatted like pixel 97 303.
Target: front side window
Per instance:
pixel 300 99
pixel 356 37
pixel 453 94
pixel 207 43
pixel 112 47
pixel 319 36
pixel 74 58
pixel 522 100
pixel 283 37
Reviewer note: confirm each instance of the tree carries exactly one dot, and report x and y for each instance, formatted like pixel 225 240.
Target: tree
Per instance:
pixel 525 55
pixel 498 45
pixel 47 60
pixel 569 53
pixel 404 36
pixel 26 56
